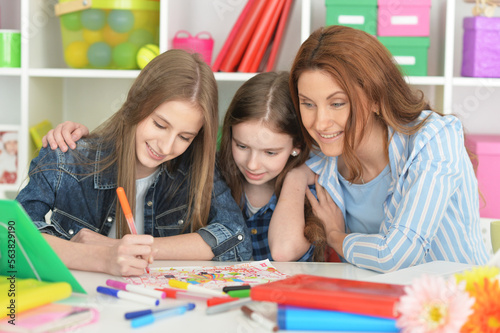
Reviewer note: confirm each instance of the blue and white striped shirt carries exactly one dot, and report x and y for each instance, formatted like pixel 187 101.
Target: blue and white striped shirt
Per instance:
pixel 432 205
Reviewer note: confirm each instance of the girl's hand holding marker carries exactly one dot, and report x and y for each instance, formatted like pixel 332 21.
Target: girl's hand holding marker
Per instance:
pixel 130 219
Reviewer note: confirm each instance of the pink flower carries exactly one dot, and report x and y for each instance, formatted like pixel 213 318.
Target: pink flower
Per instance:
pixel 433 305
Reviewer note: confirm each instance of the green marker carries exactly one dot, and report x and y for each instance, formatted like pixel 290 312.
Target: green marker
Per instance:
pixel 239 293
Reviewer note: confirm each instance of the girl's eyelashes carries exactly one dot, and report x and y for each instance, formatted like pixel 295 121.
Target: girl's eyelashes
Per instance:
pixel 307 104
pixel 158 125
pixel 243 147
pixel 183 138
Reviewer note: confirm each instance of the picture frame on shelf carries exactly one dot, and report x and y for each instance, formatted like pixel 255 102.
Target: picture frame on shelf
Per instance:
pixel 9 155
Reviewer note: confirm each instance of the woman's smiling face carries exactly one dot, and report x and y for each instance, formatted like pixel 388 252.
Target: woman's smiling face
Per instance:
pixel 324 110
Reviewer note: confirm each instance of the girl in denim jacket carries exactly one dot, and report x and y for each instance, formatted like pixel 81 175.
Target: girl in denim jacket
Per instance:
pixel 160 147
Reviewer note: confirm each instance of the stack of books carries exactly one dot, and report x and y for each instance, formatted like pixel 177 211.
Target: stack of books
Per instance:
pixel 253 43
pixel 308 302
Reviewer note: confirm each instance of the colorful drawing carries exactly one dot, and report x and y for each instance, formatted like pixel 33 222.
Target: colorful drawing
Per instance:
pixel 212 277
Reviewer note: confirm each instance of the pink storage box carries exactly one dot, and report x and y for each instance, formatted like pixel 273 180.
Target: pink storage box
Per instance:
pixel 403 17
pixel 202 43
pixel 481 47
pixel 487 149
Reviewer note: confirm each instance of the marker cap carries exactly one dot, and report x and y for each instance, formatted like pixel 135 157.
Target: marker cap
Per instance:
pixel 219 300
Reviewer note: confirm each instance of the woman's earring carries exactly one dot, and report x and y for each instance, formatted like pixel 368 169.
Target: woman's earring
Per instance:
pixel 294 153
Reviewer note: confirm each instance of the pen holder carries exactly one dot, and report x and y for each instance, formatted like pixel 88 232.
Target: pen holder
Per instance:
pixel 10 48
pixel 202 43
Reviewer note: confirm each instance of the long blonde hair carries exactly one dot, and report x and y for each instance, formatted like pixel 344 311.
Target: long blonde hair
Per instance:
pixel 174 75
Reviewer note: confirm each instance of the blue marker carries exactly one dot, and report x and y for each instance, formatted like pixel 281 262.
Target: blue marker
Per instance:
pixel 151 318
pixel 128 295
pixel 136 314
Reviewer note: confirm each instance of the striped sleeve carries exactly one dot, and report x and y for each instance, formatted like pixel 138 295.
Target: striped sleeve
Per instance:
pixel 422 197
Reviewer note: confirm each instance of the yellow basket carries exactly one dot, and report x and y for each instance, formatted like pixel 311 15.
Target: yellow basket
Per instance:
pixel 106 33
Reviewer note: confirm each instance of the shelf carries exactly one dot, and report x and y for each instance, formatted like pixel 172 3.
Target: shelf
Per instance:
pixel 239 77
pixel 414 80
pixel 83 73
pixel 10 71
pixel 9 188
pixel 426 80
pixel 116 74
pixel 476 81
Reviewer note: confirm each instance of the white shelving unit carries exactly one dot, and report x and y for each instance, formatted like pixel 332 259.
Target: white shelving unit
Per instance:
pixel 11 117
pixel 45 88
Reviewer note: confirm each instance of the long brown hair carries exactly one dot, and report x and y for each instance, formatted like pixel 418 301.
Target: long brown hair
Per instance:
pixel 266 97
pixel 363 68
pixel 174 75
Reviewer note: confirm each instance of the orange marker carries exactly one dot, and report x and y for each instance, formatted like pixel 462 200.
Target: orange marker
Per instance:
pixel 126 209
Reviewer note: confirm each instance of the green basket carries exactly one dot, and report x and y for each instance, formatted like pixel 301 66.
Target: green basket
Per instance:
pixel 106 33
pixel 410 53
pixel 359 14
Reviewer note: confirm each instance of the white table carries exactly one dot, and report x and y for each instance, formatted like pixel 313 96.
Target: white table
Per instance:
pixel 112 310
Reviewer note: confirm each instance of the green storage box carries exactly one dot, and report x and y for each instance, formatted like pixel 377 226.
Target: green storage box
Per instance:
pixel 409 52
pixel 359 14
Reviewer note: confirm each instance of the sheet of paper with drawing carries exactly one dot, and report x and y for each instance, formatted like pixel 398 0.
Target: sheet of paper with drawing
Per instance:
pixel 212 277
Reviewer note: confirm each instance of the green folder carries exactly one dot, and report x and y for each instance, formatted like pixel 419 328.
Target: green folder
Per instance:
pixel 24 253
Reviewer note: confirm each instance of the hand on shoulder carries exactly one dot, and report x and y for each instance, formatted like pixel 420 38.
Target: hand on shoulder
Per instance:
pixel 64 135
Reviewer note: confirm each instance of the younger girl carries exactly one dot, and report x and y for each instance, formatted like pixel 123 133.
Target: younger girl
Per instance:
pixel 160 147
pixel 261 142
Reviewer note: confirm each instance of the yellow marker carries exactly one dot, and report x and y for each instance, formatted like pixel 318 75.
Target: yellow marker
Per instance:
pixel 195 288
